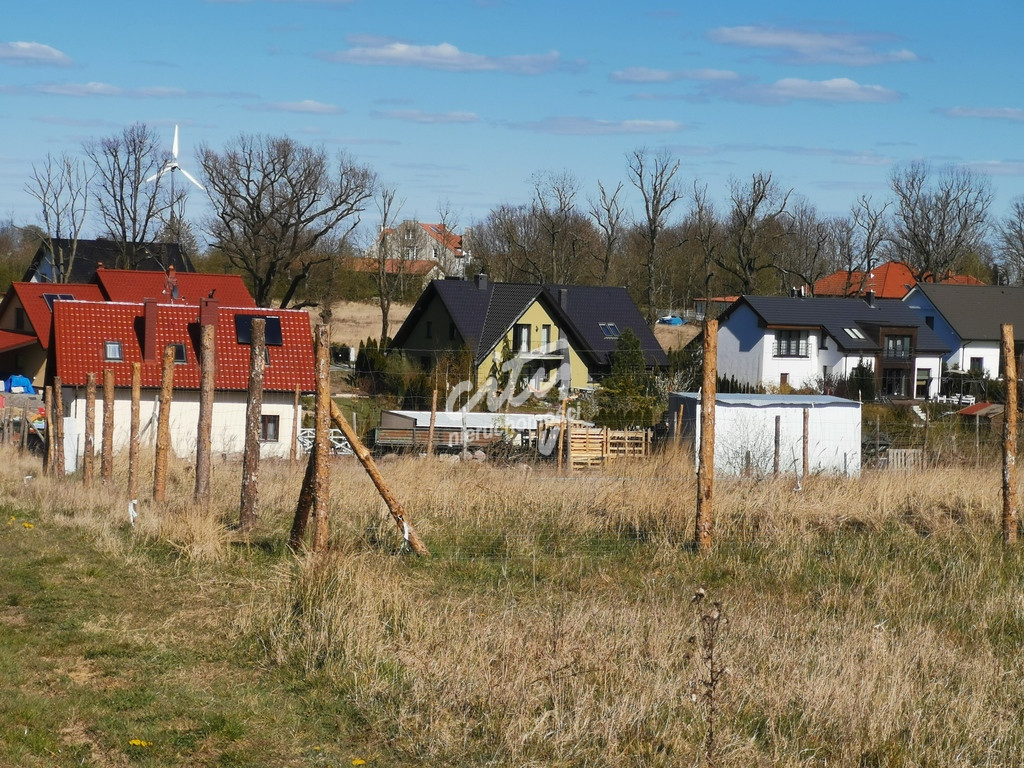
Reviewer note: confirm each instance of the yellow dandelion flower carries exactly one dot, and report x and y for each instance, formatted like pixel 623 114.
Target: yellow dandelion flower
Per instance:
pixel 140 743
pixel 28 525
pixel 359 761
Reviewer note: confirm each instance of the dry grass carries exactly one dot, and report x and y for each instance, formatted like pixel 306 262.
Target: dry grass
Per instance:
pixel 356 321
pixel 873 621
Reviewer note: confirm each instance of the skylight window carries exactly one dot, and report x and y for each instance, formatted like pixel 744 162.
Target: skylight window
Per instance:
pixel 610 330
pixel 113 351
pixel 179 353
pixel 49 298
pixel 854 333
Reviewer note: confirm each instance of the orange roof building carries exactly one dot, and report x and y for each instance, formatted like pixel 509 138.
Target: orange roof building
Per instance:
pixel 891 280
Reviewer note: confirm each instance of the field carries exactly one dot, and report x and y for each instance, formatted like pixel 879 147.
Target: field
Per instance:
pixel 870 622
pixel 355 321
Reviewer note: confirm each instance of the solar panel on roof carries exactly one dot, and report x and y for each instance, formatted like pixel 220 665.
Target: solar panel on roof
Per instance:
pixel 243 330
pixel 49 298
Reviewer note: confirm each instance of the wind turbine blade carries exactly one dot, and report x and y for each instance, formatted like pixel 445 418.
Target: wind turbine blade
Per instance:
pixel 189 176
pixel 174 146
pixel 157 175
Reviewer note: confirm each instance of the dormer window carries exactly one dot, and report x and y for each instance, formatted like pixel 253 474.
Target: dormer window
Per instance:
pixel 113 352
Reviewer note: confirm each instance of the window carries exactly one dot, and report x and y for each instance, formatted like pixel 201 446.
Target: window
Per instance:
pixel 451 331
pixel 610 330
pixel 924 380
pixel 49 298
pixel 19 319
pixel 783 380
pixel 270 428
pixel 791 344
pixel 897 347
pixel 545 338
pixel 430 329
pixel 243 329
pixel 929 320
pixel 179 353
pixel 854 333
pixel 112 351
pixel 977 364
pixel 521 337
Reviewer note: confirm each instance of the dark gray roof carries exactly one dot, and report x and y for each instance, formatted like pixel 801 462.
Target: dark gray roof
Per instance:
pixel 484 312
pixel 90 254
pixel 835 315
pixel 975 312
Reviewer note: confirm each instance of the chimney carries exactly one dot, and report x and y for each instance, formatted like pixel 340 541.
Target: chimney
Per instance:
pixel 563 298
pixel 870 298
pixel 207 311
pixel 149 350
pixel 481 281
pixel 792 292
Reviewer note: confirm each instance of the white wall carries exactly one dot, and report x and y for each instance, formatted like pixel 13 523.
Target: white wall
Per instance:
pixel 227 435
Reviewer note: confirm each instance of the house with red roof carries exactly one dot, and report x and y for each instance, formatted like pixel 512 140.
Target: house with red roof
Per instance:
pixel 26 310
pixel 891 280
pixel 95 336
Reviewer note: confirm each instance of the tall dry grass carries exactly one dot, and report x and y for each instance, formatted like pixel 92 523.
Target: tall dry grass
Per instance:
pixel 872 621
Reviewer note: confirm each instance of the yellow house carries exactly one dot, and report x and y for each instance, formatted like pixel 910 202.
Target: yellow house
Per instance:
pixel 549 332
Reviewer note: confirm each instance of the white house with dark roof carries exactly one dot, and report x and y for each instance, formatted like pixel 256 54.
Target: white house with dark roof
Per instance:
pixel 968 318
pixel 805 341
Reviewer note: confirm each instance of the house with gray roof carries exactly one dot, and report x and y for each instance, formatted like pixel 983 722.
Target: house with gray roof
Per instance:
pixel 796 341
pixel 568 330
pixel 968 318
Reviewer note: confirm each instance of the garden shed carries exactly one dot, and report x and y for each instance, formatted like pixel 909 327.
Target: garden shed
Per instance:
pixel 746 433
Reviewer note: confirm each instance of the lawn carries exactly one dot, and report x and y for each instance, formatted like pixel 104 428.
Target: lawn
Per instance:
pixel 868 622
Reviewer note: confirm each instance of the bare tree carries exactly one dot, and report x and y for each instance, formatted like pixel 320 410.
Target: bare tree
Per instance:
pixel 707 231
pixel 273 201
pixel 808 251
pixel 755 229
pixel 130 201
pixel 654 177
pixel 1010 242
pixel 388 255
pixel 937 224
pixel 61 187
pixel 609 217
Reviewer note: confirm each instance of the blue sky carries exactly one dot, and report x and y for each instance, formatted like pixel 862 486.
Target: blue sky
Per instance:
pixel 462 102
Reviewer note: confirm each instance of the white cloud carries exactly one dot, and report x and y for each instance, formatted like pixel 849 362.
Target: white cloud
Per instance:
pixel 805 47
pixel 416 116
pixel 307 106
pixel 839 89
pixel 588 126
pixel 647 75
pixel 445 56
pixel 106 89
pixel 33 53
pixel 985 113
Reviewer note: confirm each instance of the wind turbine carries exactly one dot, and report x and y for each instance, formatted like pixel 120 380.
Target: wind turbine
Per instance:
pixel 172 165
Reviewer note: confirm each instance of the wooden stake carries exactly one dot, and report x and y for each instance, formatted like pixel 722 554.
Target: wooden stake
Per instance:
pixel 163 427
pixel 48 418
pixel 296 419
pixel 133 432
pixel 59 467
pixel 561 432
pixel 89 457
pixel 433 419
pixel 322 439
pixel 304 505
pixel 706 470
pixel 397 512
pixel 204 427
pixel 24 429
pixel 778 445
pixel 806 444
pixel 107 445
pixel 1009 439
pixel 249 502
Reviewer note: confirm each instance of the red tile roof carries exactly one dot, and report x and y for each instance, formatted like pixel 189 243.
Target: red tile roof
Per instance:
pixel 38 311
pixel 412 267
pixel 81 328
pixel 892 280
pixel 445 237
pixel 12 340
pixel 137 285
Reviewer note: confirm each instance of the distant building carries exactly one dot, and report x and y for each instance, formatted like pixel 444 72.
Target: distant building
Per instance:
pixel 93 254
pixel 891 280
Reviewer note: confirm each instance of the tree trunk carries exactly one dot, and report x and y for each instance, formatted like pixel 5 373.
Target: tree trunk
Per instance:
pixel 89 459
pixel 253 411
pixel 163 427
pixel 133 432
pixel 1009 439
pixel 204 428
pixel 322 440
pixel 107 447
pixel 706 470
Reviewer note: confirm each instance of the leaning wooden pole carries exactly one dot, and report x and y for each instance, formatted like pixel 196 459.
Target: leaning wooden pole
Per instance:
pixel 397 512
pixel 133 432
pixel 48 418
pixel 59 467
pixel 204 427
pixel 249 501
pixel 163 427
pixel 433 421
pixel 107 444
pixel 1009 439
pixel 296 419
pixel 706 469
pixel 89 457
pixel 322 439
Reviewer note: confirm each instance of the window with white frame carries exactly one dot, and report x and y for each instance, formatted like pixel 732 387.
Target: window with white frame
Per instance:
pixel 113 352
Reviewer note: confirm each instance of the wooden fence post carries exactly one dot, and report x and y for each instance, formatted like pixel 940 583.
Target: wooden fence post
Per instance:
pixel 806 444
pixel 204 427
pixel 778 445
pixel 322 444
pixel 293 453
pixel 107 445
pixel 59 467
pixel 163 426
pixel 397 512
pixel 133 432
pixel 433 420
pixel 248 508
pixel 24 430
pixel 706 469
pixel 89 456
pixel 48 464
pixel 1009 439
